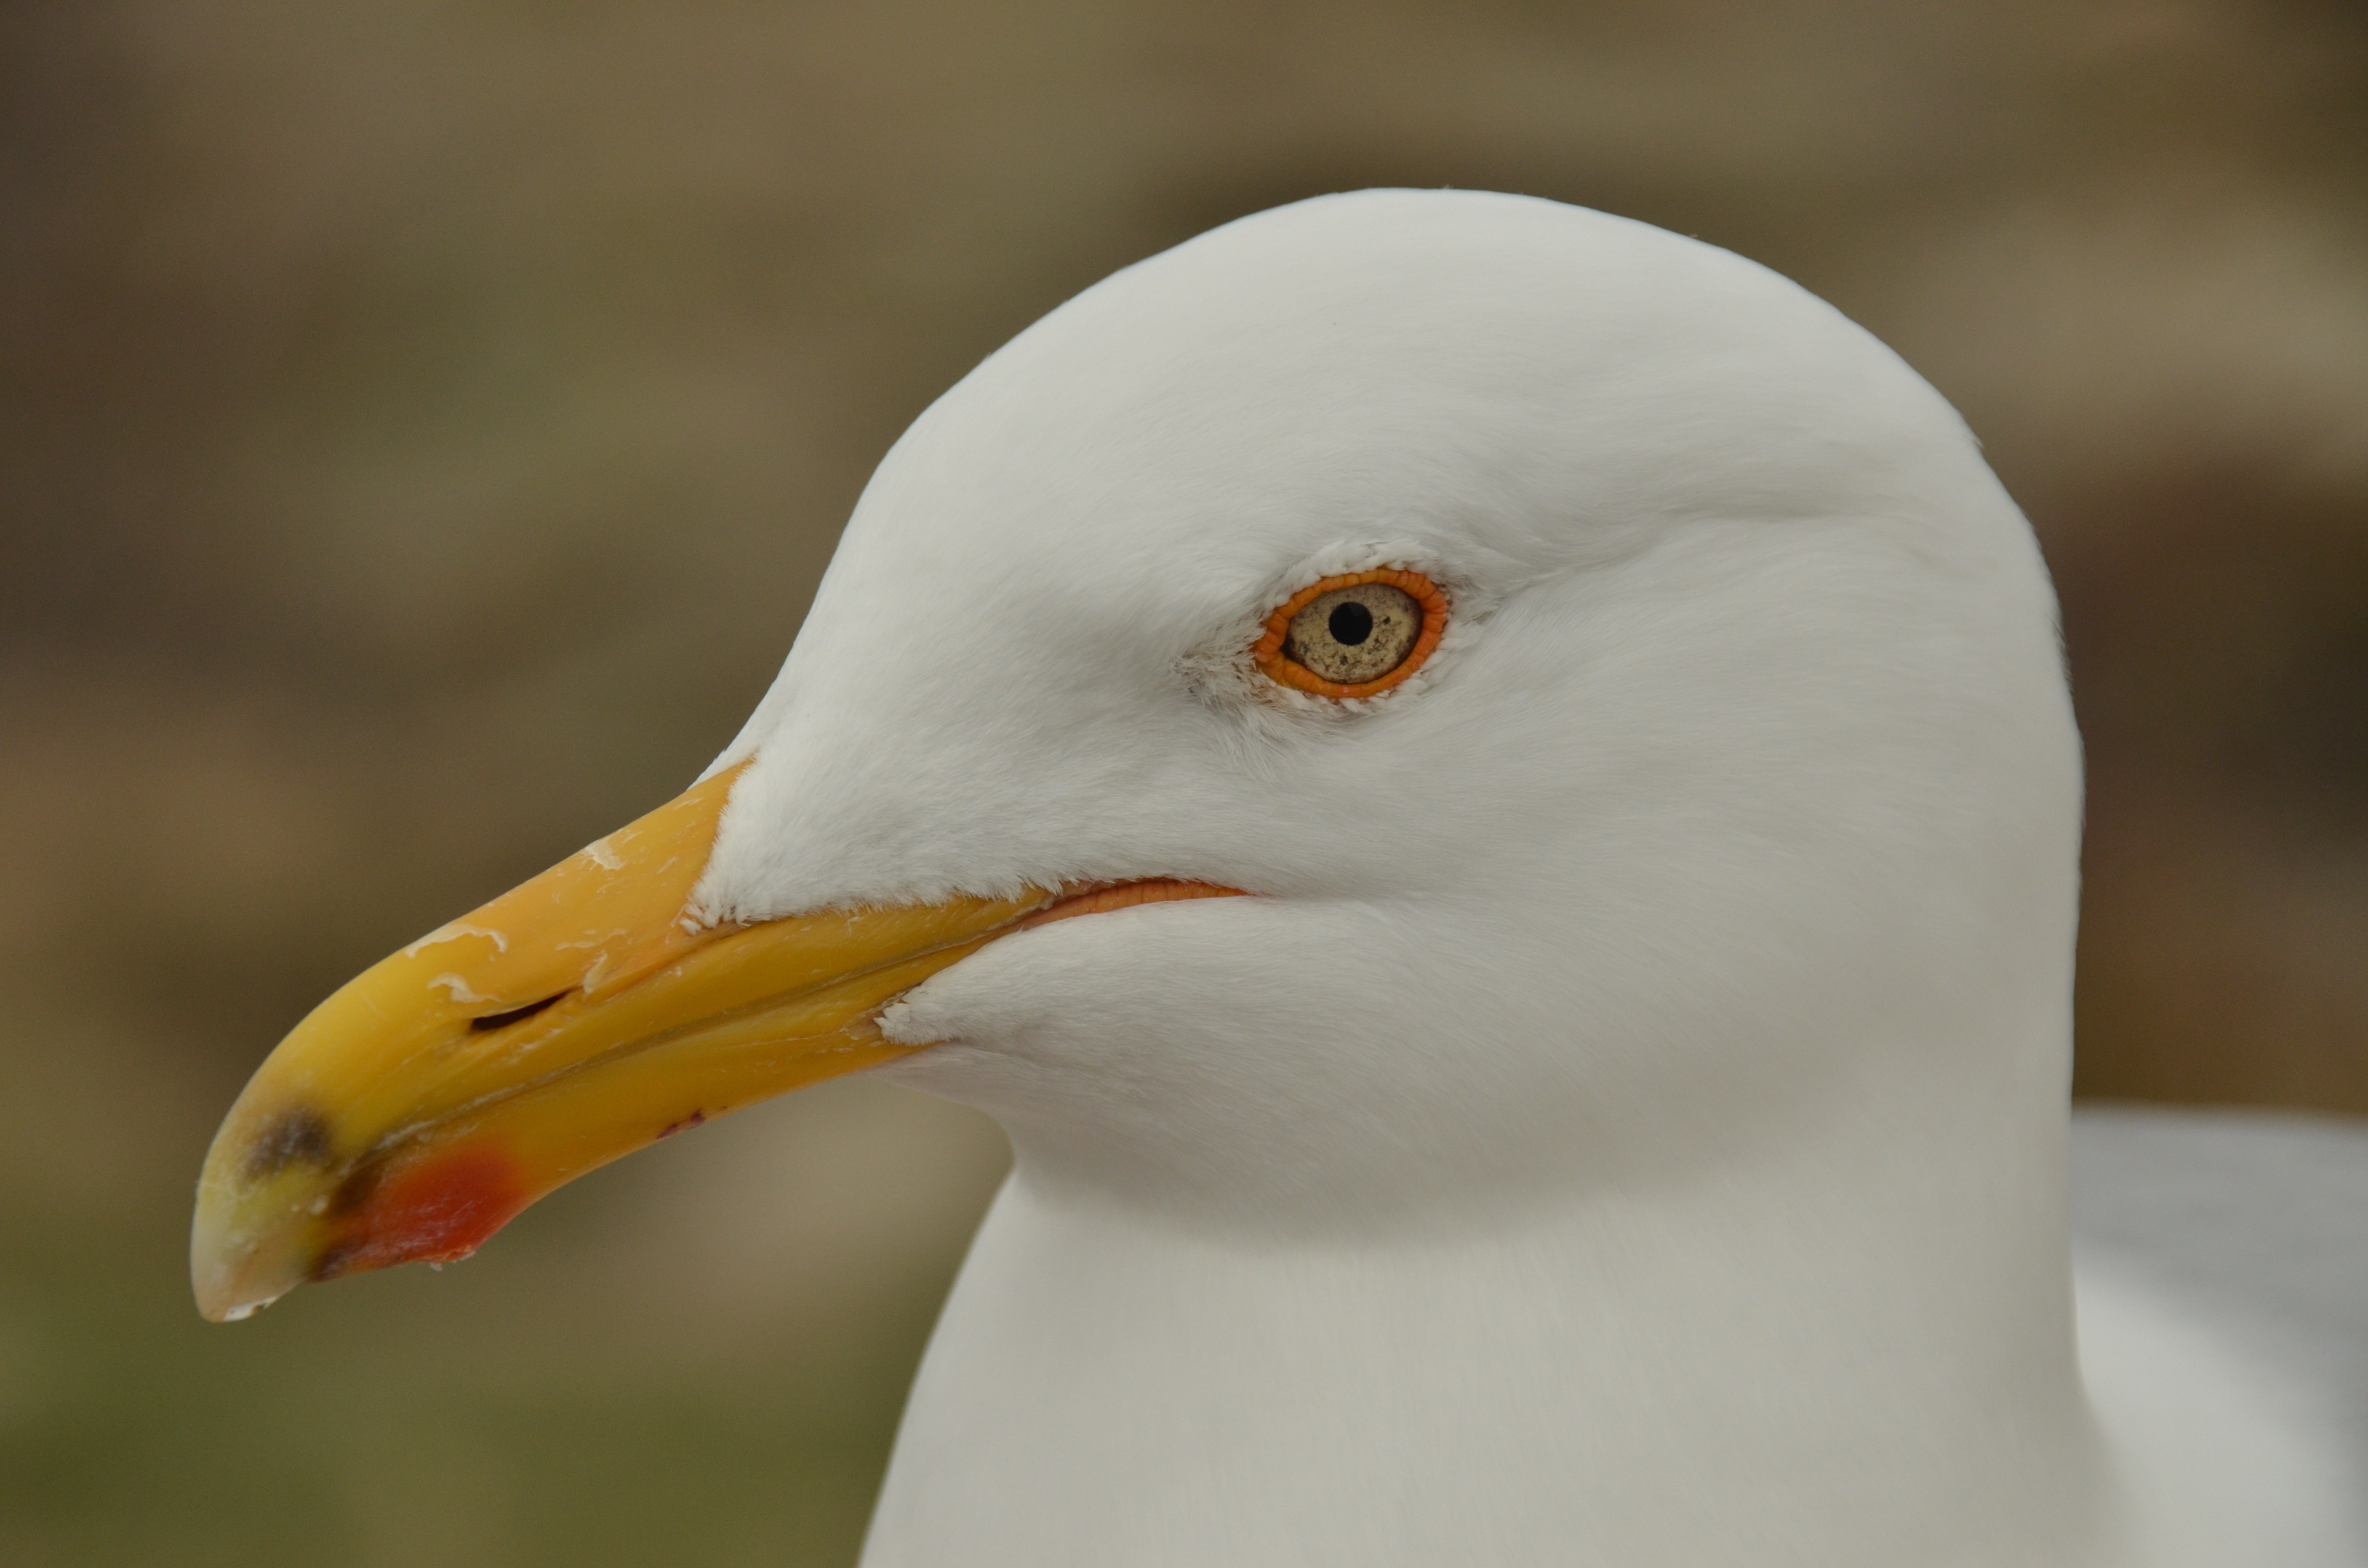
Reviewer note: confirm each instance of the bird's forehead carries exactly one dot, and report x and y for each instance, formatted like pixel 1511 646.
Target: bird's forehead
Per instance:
pixel 1221 421
pixel 1494 389
pixel 1442 367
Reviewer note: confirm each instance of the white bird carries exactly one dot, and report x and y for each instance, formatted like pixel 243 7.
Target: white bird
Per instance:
pixel 1625 1121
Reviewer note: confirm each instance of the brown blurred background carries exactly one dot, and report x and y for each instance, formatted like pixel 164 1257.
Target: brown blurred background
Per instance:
pixel 422 425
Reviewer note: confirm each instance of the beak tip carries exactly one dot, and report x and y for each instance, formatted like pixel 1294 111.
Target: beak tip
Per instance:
pixel 233 1286
pixel 234 1272
pixel 223 1310
pixel 219 1296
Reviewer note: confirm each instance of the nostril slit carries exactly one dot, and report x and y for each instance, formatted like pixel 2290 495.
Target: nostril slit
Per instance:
pixel 516 1015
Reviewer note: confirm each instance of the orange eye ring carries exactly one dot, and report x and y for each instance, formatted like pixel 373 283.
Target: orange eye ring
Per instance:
pixel 1268 655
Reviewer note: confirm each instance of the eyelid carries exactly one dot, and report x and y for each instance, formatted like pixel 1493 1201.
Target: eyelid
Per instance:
pixel 1267 652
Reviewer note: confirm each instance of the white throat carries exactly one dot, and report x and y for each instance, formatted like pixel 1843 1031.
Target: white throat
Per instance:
pixel 1851 1346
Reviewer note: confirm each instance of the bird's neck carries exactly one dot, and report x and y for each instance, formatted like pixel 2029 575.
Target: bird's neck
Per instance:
pixel 1838 1352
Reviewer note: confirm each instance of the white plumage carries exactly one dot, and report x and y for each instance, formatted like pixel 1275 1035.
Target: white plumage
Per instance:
pixel 1630 1127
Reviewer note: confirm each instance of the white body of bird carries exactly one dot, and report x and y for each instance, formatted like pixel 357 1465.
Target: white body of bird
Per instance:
pixel 1631 1130
pixel 1626 1125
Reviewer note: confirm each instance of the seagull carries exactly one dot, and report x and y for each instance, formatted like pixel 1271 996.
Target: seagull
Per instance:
pixel 1488 793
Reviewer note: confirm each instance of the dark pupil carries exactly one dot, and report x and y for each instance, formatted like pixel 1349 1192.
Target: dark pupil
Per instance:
pixel 1351 623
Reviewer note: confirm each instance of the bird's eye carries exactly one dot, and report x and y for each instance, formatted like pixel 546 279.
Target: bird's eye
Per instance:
pixel 1353 636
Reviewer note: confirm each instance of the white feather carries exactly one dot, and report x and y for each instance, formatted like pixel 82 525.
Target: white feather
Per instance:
pixel 1630 1126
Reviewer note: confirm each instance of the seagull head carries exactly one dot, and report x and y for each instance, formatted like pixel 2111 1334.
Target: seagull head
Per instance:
pixel 1406 710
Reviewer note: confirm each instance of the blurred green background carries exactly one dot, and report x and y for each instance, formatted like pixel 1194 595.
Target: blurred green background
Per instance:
pixel 423 425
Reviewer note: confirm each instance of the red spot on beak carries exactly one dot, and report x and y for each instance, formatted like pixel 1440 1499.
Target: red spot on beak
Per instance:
pixel 439 1212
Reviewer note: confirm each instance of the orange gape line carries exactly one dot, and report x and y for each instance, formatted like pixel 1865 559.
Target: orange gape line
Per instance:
pixel 1126 895
pixel 1267 653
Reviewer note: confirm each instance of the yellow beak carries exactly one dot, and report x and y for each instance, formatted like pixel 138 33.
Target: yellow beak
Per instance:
pixel 574 1020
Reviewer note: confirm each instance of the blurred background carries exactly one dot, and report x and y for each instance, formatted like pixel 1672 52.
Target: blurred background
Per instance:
pixel 422 425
